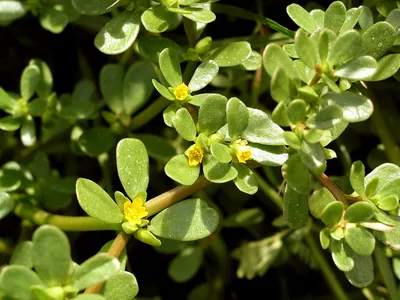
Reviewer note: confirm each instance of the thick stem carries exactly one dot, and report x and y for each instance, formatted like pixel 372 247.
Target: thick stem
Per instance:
pixel 65 223
pixel 325 268
pixel 190 31
pixel 269 191
pixel 171 197
pixel 333 188
pixel 115 250
pixel 149 112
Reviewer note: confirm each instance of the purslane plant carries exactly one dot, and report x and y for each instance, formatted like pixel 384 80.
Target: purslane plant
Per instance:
pixel 319 79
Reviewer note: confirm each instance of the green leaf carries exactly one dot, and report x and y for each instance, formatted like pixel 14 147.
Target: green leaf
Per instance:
pixel 157 147
pixel 170 67
pixel 218 172
pixel 378 39
pixel 319 200
pixel 282 87
pixel 360 240
pixel 96 141
pixel 359 212
pixel 297 111
pixel 325 118
pixel 89 297
pixel 169 113
pixel 179 170
pixel 305 73
pixel 184 124
pixel 22 254
pixel 185 266
pixel 359 68
pixel 221 152
pixel 93 7
pixel 151 46
pixel 133 166
pixel 313 156
pixel 342 256
pixel 325 238
pixel 394 18
pixel 237 116
pixel 345 47
pixel 296 175
pixel 245 181
pixel 6 102
pixel 7 204
pixel 313 136
pixel 352 16
pixel 11 10
pixel 29 81
pixel 28 131
pixel 203 75
pixel 318 15
pixel 332 214
pixel 366 19
pixel 96 202
pixel 10 177
pixel 290 50
pixel 356 108
pixel 212 115
pixel 188 220
pixel 279 115
pixel 357 176
pixel 145 236
pixel 391 238
pixel 387 67
pixel 388 203
pixel 306 48
pixel 16 282
pixel 302 17
pixel 165 92
pixel 51 254
pixel 94 270
pixel 200 15
pixel 111 81
pixel 268 155
pixel 274 57
pixel 362 274
pixel 381 177
pixel 335 16
pixel 122 286
pixel 295 208
pixel 253 62
pixel 118 34
pixel 158 19
pixel 137 86
pixel 262 130
pixel 231 55
pixel 53 20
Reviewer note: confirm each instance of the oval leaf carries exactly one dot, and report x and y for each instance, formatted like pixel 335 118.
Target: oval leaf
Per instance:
pixel 123 286
pixel 295 208
pixel 179 170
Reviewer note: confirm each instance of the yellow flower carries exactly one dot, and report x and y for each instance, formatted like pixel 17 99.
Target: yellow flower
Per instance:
pixel 134 211
pixel 243 153
pixel 195 155
pixel 181 92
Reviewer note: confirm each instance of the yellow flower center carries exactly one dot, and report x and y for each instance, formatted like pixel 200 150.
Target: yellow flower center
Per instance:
pixel 135 211
pixel 243 153
pixel 181 92
pixel 195 155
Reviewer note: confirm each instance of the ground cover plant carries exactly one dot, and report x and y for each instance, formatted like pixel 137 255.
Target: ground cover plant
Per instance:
pixel 178 159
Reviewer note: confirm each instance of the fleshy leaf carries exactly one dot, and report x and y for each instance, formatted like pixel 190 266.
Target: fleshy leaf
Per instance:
pixel 296 174
pixel 297 111
pixel 325 118
pixel 151 46
pixel 341 256
pixel 231 55
pixel 359 212
pixel 295 208
pixel 360 240
pixel 332 214
pixel 302 17
pixel 185 266
pixel 362 274
pixel 319 200
pixel 28 131
pixel 313 156
pixel 200 15
pixel 179 170
pixel 133 166
pixel 378 39
pixel 245 180
pixel 387 67
pixel 170 67
pixel 122 286
pixel 158 19
pixel 203 75
pixel 212 115
pixel 345 47
pixel 335 15
pixel 357 176
pixel 351 20
pixel 53 20
pixel 111 82
pixel 118 34
pixel 96 202
pixel 30 79
pixel 268 155
pixel 282 87
pixel 96 140
pixel 221 152
pixel 306 48
pixel 274 57
pixel 184 124
pixel 391 238
pixel 359 68
pixel 93 7
pixel 218 172
pixel 188 220
pixel 237 116
pixel 6 203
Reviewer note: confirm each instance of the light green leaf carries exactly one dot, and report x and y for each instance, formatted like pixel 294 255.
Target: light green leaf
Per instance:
pixel 366 19
pixel 6 102
pixel 305 73
pixel 11 10
pixel 388 203
pixel 335 16
pixel 345 47
pixel 325 118
pixel 378 39
pixel 170 67
pixel 387 67
pixel 179 170
pixel 53 20
pixel 158 19
pixel 188 220
pixel 169 113
pixel 96 202
pixel 200 15
pixel 297 111
pixel 319 16
pixel 360 240
pixel 296 175
pixel 359 68
pixel 165 92
pixel 268 155
pixel 6 203
pixel 319 200
pixel 302 17
pixel 93 7
pixel 218 172
pixel 221 152
pixel 359 212
pixel 394 18
pixel 203 75
pixel 332 214
pixel 391 238
pixel 313 156
pixel 212 114
pixel 325 238
pixel 133 166
pixel 51 254
pixel 352 16
pixel 380 177
pixel 28 131
pixel 245 181
pixel 342 256
pixel 295 208
pixel 362 274
pixel 237 116
pixel 306 48
pixel 151 46
pixel 22 254
pixel 274 57
pixel 253 62
pixel 157 147
pixel 184 124
pixel 30 79
pixel 96 269
pixel 118 34
pixel 185 266
pixel 122 286
pixel 357 176
pixel 282 87
pixel 231 55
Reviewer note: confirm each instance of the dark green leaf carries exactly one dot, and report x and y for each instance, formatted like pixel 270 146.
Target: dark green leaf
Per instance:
pixel 6 203
pixel 378 39
pixel 318 201
pixel 268 155
pixel 96 141
pixel 296 174
pixel 245 181
pixel 295 208
pixel 53 20
pixel 185 266
pixel 93 7
pixel 332 214
pixel 151 46
pixel 360 240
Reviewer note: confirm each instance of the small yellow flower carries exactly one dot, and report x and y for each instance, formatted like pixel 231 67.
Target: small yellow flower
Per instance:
pixel 134 211
pixel 243 153
pixel 181 92
pixel 195 155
